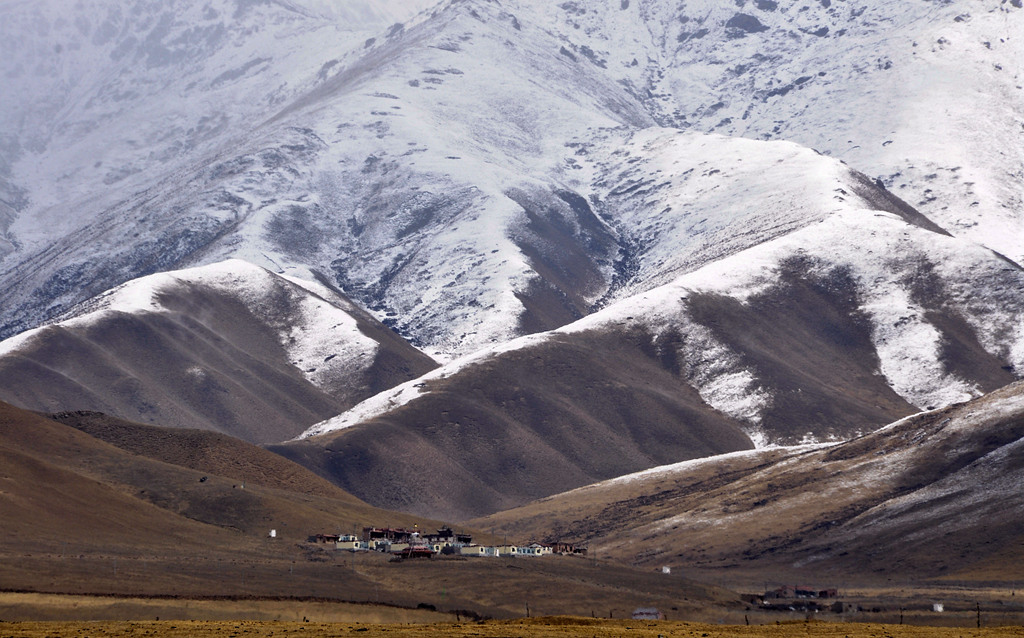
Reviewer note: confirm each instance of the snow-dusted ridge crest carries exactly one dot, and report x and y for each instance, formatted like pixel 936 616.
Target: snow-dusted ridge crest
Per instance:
pixel 908 346
pixel 666 471
pixel 229 347
pixel 400 395
pixel 322 338
pixel 384 155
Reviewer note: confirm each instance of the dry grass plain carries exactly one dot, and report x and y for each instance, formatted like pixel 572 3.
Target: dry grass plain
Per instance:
pixel 533 628
pixel 59 608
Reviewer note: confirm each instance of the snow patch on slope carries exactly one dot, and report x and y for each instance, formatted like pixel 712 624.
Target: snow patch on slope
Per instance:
pixel 908 346
pixel 382 403
pixel 319 335
pixel 667 471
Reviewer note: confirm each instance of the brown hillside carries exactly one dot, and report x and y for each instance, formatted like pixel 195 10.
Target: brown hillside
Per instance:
pixel 934 495
pixel 63 486
pixel 204 451
pixel 577 407
pixel 84 516
pixel 206 360
pixel 523 425
pixel 135 366
pixel 54 491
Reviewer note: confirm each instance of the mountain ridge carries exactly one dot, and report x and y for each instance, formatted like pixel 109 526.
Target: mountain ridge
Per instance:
pixel 924 497
pixel 494 184
pixel 441 68
pixel 229 347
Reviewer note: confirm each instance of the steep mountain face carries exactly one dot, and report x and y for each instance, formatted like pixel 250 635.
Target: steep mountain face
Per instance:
pixel 936 494
pixel 926 96
pixel 789 341
pixel 228 347
pixel 456 173
pixel 485 170
pixel 369 172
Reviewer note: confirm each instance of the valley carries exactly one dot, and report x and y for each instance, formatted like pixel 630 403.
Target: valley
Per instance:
pixel 729 294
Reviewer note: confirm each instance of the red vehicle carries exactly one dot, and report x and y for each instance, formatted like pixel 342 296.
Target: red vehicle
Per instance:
pixel 418 548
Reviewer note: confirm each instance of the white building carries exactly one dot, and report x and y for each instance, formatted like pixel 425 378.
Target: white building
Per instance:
pixel 351 543
pixel 478 550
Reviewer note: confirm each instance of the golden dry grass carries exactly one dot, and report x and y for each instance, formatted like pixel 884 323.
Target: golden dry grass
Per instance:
pixel 532 628
pixel 60 608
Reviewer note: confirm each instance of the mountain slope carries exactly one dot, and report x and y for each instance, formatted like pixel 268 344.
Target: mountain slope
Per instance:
pixel 512 428
pixel 56 476
pixel 936 494
pixel 487 170
pixel 203 451
pixel 228 347
pixel 431 169
pixel 927 97
pixel 143 527
pixel 788 341
pixel 41 496
pixel 358 174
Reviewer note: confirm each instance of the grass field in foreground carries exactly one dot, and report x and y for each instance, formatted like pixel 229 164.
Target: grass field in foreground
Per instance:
pixel 537 627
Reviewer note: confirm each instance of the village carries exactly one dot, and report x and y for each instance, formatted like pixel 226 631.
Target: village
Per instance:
pixel 411 543
pixel 402 543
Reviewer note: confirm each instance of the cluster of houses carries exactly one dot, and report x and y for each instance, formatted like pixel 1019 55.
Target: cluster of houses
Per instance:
pixel 803 598
pixel 411 543
pixel 796 591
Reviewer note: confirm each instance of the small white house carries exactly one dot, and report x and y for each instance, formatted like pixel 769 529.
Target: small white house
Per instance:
pixel 536 549
pixel 351 543
pixel 478 550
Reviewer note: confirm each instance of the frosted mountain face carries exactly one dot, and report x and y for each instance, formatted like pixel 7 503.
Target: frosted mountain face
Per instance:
pixel 904 298
pixel 481 170
pixel 791 341
pixel 229 347
pixel 106 91
pixel 335 177
pixel 927 96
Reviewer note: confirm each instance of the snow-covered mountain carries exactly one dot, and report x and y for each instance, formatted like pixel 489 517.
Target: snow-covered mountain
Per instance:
pixel 926 96
pixel 99 92
pixel 791 341
pixel 383 164
pixel 229 347
pixel 722 224
pixel 429 168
